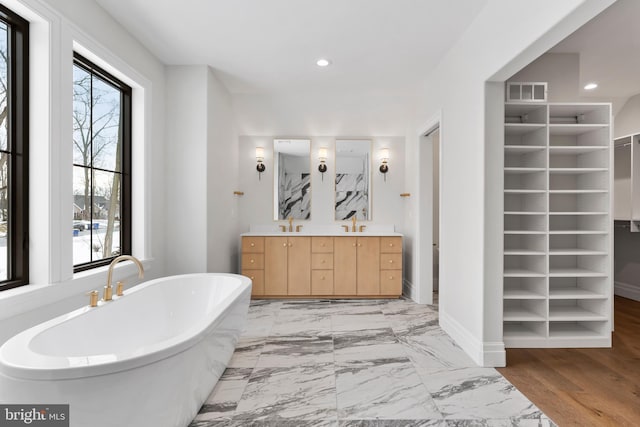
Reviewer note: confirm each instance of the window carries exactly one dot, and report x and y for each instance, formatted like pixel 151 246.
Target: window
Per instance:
pixel 14 161
pixel 101 166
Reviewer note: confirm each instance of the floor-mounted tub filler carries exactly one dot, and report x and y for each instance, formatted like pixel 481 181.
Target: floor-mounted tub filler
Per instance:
pixel 148 358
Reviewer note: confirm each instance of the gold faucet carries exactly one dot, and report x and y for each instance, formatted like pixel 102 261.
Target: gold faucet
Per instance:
pixel 353 224
pixel 290 223
pixel 362 227
pixel 298 227
pixel 283 228
pixel 346 228
pixel 108 290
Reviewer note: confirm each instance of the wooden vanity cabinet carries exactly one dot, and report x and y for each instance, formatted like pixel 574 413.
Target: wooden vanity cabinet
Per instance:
pixel 287 267
pixel 340 266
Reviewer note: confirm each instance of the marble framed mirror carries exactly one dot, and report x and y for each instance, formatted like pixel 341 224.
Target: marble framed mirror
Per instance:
pixel 292 180
pixel 353 179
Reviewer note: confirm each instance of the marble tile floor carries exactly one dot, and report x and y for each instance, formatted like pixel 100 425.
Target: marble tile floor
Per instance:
pixel 357 363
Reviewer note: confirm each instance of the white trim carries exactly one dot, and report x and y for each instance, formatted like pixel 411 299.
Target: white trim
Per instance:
pixel 486 354
pixel 408 290
pixel 627 290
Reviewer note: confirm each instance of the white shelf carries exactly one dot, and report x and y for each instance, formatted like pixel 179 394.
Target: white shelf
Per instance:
pixel 522 294
pixel 523 149
pixel 521 272
pixel 574 129
pixel 574 272
pixel 571 330
pixel 522 128
pixel 524 213
pixel 575 251
pixel 557 249
pixel 578 213
pixel 575 149
pixel 576 171
pixel 577 191
pixel 573 313
pixel 519 314
pixel 523 252
pixel 520 171
pixel 573 293
pixel 577 232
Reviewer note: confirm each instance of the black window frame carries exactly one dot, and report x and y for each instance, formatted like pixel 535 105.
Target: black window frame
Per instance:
pixel 125 186
pixel 18 149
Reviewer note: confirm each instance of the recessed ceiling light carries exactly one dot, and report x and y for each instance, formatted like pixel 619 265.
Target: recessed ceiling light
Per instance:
pixel 590 86
pixel 323 62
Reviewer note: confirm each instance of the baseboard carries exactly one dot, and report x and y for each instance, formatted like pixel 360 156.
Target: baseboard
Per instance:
pixel 408 290
pixel 486 354
pixel 627 290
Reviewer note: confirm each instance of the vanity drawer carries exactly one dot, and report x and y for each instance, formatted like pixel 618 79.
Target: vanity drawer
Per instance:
pixel 391 244
pixel 391 282
pixel 322 282
pixel 321 261
pixel 257 277
pixel 322 244
pixel 390 261
pixel 252 244
pixel 252 261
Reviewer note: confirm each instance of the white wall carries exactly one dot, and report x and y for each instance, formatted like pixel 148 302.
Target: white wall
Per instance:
pixel 222 180
pixel 186 169
pixel 504 37
pixel 627 120
pixel 57 28
pixel 256 206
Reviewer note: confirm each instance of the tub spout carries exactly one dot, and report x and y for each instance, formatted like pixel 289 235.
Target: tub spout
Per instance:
pixel 113 264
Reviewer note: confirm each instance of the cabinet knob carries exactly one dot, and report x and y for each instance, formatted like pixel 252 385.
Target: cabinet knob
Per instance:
pixel 252 278
pixel 359 244
pixel 323 261
pixel 253 244
pixel 251 261
pixel 354 245
pixel 390 261
pixel 390 277
pixel 322 278
pixel 290 244
pixel 284 244
pixel 390 244
pixel 322 244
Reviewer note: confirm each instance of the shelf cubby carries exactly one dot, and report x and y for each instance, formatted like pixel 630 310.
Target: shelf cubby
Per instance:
pixel 558 179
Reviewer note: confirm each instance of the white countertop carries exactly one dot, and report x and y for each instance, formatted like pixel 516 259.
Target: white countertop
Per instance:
pixel 320 233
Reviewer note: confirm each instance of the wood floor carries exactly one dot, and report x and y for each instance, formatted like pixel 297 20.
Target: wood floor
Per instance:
pixel 585 387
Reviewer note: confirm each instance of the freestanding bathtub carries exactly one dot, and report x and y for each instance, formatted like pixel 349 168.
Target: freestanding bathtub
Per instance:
pixel 148 358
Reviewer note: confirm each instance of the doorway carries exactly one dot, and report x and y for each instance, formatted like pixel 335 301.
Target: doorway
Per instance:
pixel 429 219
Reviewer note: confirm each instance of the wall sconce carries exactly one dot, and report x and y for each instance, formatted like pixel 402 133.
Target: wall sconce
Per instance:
pixel 260 158
pixel 322 156
pixel 384 157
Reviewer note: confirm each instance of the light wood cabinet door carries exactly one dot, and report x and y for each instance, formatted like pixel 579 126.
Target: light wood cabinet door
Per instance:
pixel 322 282
pixel 391 244
pixel 299 266
pixel 257 279
pixel 252 261
pixel 391 261
pixel 252 244
pixel 391 282
pixel 322 244
pixel 368 266
pixel 344 265
pixel 275 265
pixel 322 261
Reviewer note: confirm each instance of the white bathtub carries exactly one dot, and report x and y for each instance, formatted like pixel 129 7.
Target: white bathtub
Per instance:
pixel 148 358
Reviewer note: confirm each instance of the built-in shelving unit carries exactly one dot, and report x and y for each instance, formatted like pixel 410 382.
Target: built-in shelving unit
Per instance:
pixel 627 182
pixel 558 179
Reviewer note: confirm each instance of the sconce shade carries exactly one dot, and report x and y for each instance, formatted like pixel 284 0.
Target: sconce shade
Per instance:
pixel 322 154
pixel 259 154
pixel 384 154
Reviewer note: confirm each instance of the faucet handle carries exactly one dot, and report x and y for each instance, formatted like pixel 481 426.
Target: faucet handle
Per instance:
pixel 362 227
pixel 93 298
pixel 119 289
pixel 283 228
pixel 107 295
pixel 298 227
pixel 346 228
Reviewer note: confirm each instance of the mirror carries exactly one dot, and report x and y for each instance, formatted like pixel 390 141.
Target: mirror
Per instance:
pixel 353 179
pixel 292 182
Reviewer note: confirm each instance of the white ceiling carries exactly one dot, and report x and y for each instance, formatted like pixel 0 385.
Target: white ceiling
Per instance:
pixel 609 48
pixel 270 46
